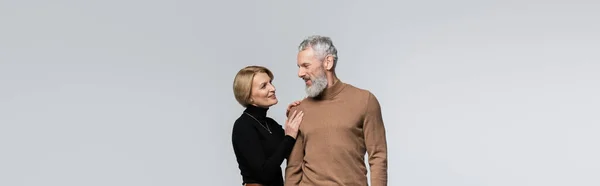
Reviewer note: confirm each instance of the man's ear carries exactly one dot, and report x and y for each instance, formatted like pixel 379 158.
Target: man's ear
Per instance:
pixel 328 62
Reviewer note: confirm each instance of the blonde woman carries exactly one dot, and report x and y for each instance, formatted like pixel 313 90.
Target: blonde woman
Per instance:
pixel 259 142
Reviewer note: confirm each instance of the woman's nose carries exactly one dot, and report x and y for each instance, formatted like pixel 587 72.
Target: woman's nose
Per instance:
pixel 272 88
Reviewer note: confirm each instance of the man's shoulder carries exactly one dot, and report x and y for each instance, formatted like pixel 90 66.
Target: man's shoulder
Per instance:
pixel 299 107
pixel 351 89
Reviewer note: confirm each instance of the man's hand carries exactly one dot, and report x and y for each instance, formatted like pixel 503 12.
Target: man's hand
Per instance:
pixel 293 104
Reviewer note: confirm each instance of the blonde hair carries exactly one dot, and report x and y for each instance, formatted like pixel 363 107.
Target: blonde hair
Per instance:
pixel 242 83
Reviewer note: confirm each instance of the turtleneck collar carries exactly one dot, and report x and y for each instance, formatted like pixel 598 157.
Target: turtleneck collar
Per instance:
pixel 332 91
pixel 258 112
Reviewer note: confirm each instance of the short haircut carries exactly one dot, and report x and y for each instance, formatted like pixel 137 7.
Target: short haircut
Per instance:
pixel 321 45
pixel 242 83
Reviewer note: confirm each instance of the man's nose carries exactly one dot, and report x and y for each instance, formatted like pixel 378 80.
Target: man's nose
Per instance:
pixel 301 73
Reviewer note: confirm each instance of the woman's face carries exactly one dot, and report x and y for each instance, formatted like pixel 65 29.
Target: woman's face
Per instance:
pixel 263 92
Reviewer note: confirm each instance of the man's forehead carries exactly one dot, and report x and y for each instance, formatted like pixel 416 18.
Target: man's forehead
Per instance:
pixel 306 55
pixel 304 60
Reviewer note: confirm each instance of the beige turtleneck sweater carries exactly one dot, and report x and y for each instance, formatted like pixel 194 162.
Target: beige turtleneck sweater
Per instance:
pixel 338 128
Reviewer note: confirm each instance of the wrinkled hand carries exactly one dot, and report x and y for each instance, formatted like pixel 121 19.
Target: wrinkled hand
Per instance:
pixel 293 123
pixel 290 106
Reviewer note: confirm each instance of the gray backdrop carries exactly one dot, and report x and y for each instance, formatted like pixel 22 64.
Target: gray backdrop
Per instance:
pixel 132 92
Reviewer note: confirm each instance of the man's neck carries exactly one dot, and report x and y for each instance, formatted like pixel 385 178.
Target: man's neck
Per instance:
pixel 331 79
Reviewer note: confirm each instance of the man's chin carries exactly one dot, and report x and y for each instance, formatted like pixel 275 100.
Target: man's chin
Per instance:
pixel 312 93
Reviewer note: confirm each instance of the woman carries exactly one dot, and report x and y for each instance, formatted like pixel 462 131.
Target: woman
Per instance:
pixel 259 142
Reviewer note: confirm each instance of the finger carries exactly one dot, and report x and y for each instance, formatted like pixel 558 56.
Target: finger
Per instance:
pixel 297 115
pixel 300 114
pixel 294 114
pixel 298 118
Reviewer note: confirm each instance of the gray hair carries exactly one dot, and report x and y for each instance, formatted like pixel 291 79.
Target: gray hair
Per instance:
pixel 322 45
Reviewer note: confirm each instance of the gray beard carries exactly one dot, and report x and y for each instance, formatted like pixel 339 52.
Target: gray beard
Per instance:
pixel 318 85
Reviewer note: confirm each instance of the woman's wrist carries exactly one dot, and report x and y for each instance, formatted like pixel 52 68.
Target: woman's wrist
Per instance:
pixel 293 137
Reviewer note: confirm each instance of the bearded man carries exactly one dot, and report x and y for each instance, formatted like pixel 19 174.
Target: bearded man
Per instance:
pixel 341 124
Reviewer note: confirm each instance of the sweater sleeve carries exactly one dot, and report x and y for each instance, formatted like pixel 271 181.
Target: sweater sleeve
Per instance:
pixel 293 171
pixel 247 141
pixel 375 141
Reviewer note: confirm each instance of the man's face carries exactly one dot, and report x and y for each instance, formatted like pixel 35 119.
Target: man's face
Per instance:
pixel 312 71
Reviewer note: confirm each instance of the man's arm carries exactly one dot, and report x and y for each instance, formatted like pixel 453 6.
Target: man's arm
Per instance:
pixel 293 171
pixel 375 141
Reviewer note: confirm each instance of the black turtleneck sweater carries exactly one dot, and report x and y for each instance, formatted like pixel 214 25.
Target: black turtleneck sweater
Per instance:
pixel 259 153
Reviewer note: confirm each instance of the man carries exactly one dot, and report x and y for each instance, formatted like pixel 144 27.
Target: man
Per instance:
pixel 341 124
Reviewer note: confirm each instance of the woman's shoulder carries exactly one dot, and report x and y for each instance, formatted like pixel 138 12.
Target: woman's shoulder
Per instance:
pixel 241 122
pixel 242 128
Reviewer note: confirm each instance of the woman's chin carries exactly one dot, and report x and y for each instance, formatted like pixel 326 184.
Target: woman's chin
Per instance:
pixel 270 102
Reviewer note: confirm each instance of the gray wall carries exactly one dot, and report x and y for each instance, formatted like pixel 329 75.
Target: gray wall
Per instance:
pixel 131 92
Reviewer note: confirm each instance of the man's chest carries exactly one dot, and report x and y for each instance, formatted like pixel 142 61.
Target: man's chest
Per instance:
pixel 331 118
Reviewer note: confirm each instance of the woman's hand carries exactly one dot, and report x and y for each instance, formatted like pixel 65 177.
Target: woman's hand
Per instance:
pixel 293 123
pixel 289 107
